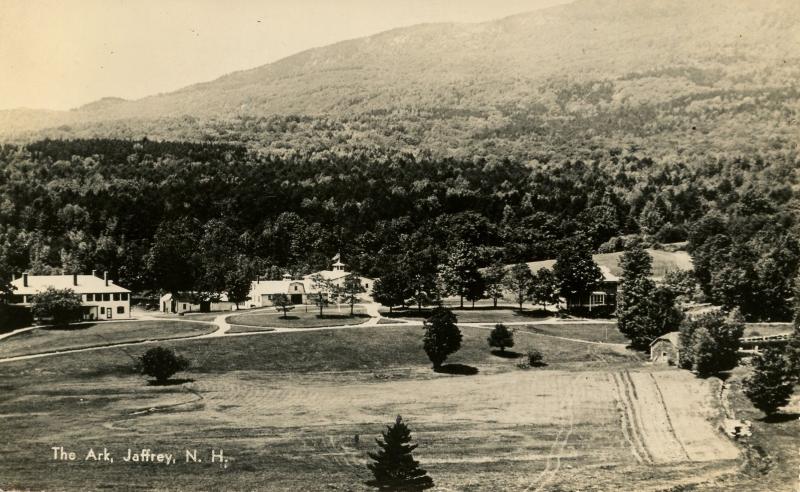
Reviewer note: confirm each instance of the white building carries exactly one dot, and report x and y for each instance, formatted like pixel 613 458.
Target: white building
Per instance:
pixel 101 298
pixel 298 291
pixel 188 302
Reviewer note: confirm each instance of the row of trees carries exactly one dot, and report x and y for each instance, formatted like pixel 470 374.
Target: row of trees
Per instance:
pixel 574 274
pixel 198 217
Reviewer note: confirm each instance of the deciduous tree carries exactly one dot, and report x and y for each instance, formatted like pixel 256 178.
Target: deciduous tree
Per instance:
pixel 771 384
pixel 442 336
pixel 519 280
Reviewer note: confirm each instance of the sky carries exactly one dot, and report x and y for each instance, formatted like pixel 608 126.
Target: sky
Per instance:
pixel 60 54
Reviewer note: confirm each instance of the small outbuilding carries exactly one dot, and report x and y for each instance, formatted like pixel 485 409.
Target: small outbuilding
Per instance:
pixel 666 349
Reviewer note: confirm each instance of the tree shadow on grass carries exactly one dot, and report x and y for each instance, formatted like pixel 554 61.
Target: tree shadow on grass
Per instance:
pixel 458 369
pixel 778 418
pixel 508 354
pixel 169 382
pixel 289 317
pixel 71 327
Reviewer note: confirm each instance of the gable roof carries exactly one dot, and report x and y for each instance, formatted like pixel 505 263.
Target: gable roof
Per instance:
pixel 673 337
pixel 87 284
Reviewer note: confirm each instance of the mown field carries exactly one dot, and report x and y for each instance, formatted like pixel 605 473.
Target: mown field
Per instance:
pixel 300 318
pixel 286 409
pixel 94 334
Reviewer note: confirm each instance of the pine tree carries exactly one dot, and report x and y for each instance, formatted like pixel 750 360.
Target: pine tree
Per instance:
pixel 771 384
pixel 636 289
pixel 501 337
pixel 394 467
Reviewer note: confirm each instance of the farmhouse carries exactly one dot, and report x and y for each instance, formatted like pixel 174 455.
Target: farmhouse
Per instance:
pixel 300 291
pixel 666 349
pixel 101 297
pixel 605 296
pixel 192 302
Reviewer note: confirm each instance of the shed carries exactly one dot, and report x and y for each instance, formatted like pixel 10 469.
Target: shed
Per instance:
pixel 666 349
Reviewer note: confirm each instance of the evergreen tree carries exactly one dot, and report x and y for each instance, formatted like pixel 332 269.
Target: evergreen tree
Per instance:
pixel 394 467
pixel 793 347
pixel 501 337
pixel 771 384
pixel 442 336
pixel 636 289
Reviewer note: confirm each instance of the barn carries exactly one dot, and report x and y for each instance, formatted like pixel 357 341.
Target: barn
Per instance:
pixel 666 349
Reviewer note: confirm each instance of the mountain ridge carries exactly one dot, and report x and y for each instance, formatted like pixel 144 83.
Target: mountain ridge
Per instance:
pixel 574 61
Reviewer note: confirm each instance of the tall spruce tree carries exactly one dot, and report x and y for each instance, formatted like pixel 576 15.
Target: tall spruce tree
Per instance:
pixel 394 467
pixel 793 347
pixel 771 384
pixel 636 289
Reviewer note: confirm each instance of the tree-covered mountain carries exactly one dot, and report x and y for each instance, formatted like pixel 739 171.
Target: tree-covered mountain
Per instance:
pixel 707 76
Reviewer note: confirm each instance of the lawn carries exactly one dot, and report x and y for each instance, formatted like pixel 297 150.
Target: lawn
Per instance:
pixel 300 318
pixel 101 333
pixel 286 410
pixel 766 329
pixel 482 314
pixel 592 332
pixel 249 329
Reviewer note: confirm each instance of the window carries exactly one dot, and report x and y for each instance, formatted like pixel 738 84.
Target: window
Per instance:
pixel 102 310
pixel 106 297
pixel 17 299
pixel 295 288
pixel 90 297
pixel 124 296
pixel 120 309
pixel 366 286
pixel 116 296
pixel 184 306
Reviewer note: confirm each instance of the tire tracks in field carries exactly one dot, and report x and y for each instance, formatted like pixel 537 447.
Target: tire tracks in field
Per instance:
pixel 630 418
pixel 547 475
pixel 670 426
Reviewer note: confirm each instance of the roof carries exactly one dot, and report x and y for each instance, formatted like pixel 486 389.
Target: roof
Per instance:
pixel 194 298
pixel 277 286
pixel 87 284
pixel 673 337
pixel 663 262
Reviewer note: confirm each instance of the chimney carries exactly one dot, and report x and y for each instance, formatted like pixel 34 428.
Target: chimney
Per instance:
pixel 105 277
pixel 94 273
pixel 25 279
pixel 75 279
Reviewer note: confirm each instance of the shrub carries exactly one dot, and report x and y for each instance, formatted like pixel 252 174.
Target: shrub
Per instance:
pixel 535 358
pixel 161 363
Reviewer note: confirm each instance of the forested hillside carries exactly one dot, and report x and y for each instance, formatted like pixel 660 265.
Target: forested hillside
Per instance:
pixel 165 215
pixel 669 77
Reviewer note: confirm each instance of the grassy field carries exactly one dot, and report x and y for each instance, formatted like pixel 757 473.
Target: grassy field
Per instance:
pixel 477 315
pixel 300 318
pixel 766 329
pixel 286 408
pixel 592 332
pixel 93 334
